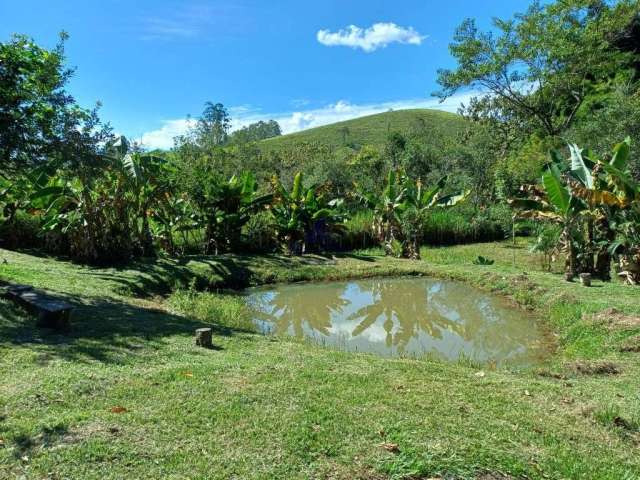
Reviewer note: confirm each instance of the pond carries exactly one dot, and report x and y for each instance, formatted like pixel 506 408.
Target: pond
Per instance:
pixel 413 316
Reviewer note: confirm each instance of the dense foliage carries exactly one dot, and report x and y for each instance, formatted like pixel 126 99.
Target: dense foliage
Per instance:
pixel 560 72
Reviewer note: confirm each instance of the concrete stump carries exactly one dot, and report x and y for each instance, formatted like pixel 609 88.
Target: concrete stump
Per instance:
pixel 585 279
pixel 204 337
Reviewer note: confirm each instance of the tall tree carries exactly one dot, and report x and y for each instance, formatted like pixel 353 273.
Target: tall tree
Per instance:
pixel 34 105
pixel 544 63
pixel 213 125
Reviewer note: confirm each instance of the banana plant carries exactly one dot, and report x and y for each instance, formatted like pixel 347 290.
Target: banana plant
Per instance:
pixel 555 203
pixel 625 218
pixel 174 216
pixel 304 216
pixel 613 197
pixel 387 212
pixel 401 210
pixel 104 215
pixel 228 206
pixel 591 199
pixel 142 177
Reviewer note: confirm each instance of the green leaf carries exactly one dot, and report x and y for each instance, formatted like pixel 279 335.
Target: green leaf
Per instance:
pixel 578 168
pixel 621 154
pixel 622 180
pixel 453 199
pixel 296 191
pixel 131 167
pixel 46 192
pixel 429 197
pixel 322 213
pixel 556 157
pixel 558 194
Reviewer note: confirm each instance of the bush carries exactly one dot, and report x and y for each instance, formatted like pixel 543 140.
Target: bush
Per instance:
pixel 22 232
pixel 451 226
pixel 259 233
pixel 547 239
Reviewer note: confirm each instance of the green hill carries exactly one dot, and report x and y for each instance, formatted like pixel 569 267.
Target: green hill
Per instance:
pixel 372 129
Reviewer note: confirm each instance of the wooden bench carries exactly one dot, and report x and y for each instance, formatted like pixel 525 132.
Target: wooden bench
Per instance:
pixel 52 312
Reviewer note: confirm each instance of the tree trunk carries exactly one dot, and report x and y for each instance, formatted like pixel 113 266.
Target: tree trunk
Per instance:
pixel 603 257
pixel 571 262
pixel 588 265
pixel 413 249
pixel 147 239
pixel 603 265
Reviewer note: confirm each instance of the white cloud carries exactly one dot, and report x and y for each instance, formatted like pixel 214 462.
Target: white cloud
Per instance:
pixel 378 35
pixel 298 120
pixel 163 137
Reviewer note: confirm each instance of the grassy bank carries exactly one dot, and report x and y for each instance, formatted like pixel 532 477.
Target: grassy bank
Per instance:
pixel 126 395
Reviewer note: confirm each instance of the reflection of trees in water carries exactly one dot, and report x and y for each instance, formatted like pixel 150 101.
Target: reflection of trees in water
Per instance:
pixel 497 332
pixel 292 308
pixel 406 309
pixel 401 304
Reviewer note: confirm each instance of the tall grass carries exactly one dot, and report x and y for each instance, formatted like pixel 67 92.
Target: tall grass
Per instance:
pixel 226 311
pixel 358 231
pixel 452 227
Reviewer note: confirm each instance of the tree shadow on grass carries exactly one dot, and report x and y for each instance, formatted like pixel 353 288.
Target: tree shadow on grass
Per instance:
pixel 48 436
pixel 359 256
pixel 104 329
pixel 144 278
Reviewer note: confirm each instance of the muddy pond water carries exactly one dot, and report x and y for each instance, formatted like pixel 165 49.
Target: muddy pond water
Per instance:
pixel 413 316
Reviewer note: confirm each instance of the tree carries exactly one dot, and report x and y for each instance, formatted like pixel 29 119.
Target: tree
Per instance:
pixel 304 216
pixel 618 118
pixel 34 105
pixel 394 148
pixel 344 133
pixel 255 132
pixel 400 211
pixel 543 64
pixel 594 201
pixel 213 126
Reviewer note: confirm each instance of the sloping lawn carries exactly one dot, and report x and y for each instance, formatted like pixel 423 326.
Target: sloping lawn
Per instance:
pixel 128 395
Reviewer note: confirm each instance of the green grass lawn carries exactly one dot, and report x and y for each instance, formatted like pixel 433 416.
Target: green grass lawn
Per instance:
pixel 128 395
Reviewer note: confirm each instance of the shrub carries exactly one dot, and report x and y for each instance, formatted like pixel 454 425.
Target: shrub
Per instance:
pixel 23 231
pixel 547 239
pixel 259 233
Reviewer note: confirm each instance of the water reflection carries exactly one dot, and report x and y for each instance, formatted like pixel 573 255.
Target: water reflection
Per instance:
pixel 410 316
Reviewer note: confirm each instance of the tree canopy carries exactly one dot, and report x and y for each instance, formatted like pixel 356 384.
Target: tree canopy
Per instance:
pixel 543 64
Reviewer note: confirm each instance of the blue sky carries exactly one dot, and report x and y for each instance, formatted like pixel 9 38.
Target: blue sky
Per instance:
pixel 153 62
